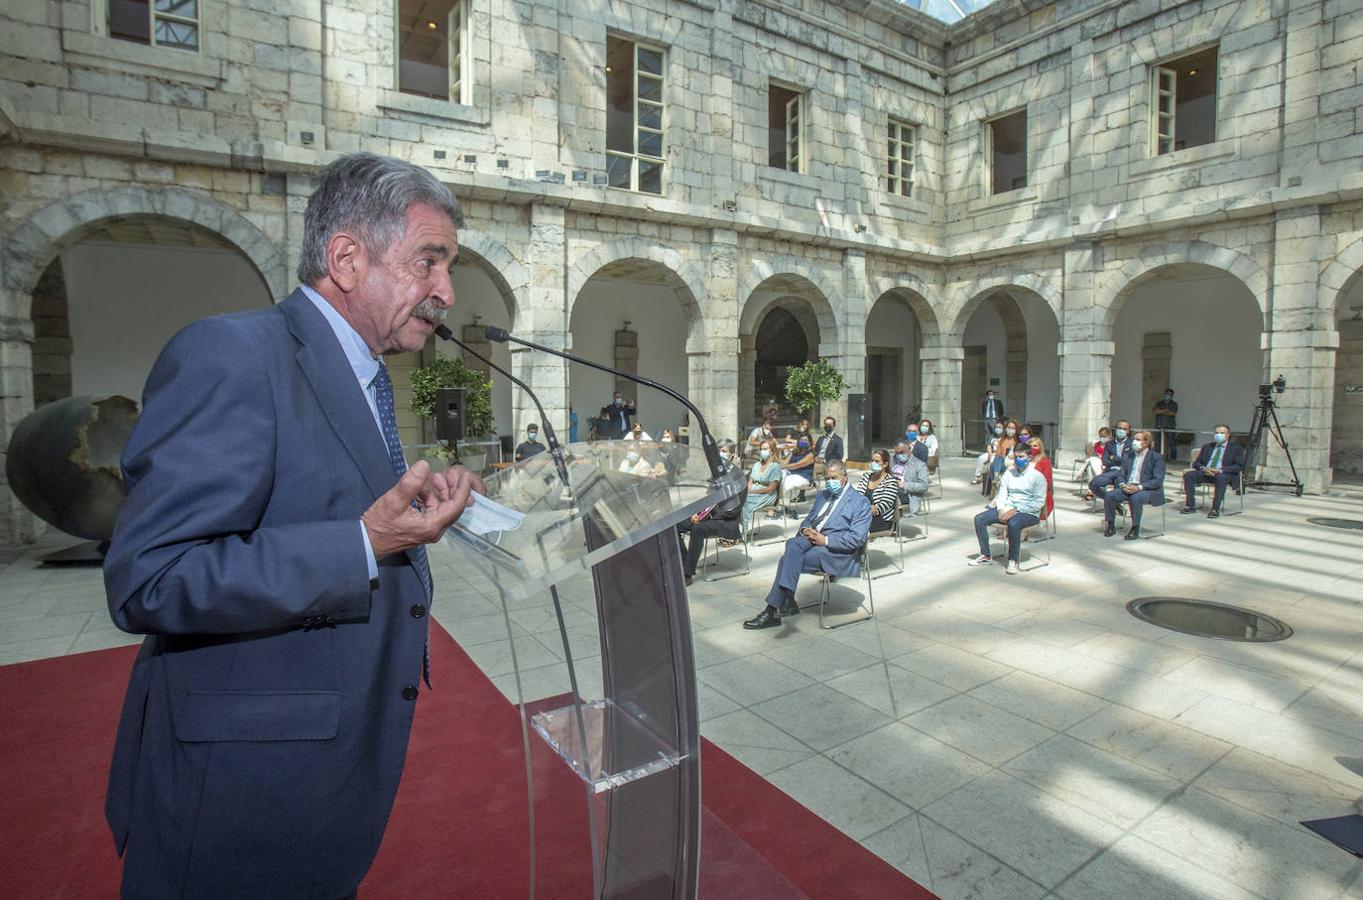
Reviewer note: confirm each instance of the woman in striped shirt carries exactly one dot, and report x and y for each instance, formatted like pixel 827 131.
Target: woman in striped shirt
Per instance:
pixel 882 489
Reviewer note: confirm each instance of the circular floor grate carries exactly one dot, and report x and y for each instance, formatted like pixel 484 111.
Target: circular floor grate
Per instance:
pixel 1206 619
pixel 1354 524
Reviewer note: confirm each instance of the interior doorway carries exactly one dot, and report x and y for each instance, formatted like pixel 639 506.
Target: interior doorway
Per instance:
pixel 974 382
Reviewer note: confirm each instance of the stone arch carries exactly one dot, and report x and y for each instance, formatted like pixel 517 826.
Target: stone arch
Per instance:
pixel 968 297
pixel 688 284
pixel 36 242
pixel 512 278
pixel 1337 275
pixel 814 285
pixel 916 293
pixel 1119 285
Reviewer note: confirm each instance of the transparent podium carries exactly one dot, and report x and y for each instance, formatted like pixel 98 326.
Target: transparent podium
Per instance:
pixel 603 552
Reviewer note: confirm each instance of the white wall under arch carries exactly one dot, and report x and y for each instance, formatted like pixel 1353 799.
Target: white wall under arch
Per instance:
pixel 655 313
pixel 125 301
pixel 892 323
pixel 1217 360
pixel 476 294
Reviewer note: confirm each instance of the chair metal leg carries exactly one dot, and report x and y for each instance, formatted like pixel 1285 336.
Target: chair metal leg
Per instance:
pixel 713 562
pixel 1163 524
pixel 1036 562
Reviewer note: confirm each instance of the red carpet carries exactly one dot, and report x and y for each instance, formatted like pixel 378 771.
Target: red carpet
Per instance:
pixel 459 824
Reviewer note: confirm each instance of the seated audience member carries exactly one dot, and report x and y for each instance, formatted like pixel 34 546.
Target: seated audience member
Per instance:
pixel 764 481
pixel 983 461
pixel 668 436
pixel 1000 460
pixel 798 468
pixel 829 540
pixel 1142 482
pixel 912 475
pixel 879 486
pixel 759 434
pixel 1020 500
pixel 928 437
pixel 829 445
pixel 635 464
pixel 1221 462
pixel 637 433
pixel 916 447
pixel 720 521
pixel 1114 457
pixel 1042 463
pixel 1093 466
pixel 531 445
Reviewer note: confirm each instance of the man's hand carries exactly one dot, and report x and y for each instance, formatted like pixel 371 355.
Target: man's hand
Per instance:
pixel 1007 514
pixel 1130 488
pixel 1210 471
pixel 815 537
pixel 394 524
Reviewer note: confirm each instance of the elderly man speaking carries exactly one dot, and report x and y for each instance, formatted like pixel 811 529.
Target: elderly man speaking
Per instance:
pixel 272 549
pixel 828 541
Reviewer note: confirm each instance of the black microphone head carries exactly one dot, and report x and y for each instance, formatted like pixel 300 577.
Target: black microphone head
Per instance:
pixel 496 334
pixel 444 333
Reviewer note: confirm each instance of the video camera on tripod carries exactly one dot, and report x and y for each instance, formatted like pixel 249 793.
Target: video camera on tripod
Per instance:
pixel 1266 420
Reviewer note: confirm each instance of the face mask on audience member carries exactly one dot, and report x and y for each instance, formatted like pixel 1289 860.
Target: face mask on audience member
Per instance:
pixel 764 454
pixel 832 485
pixel 1020 462
pixel 827 429
pixel 532 436
pixel 910 435
pixel 1120 434
pixel 619 402
pixel 998 429
pixel 1219 438
pixel 876 467
pixel 926 429
pixel 802 443
pixel 1036 451
pixel 631 457
pixel 667 439
pixel 724 455
pixel 1012 431
pixel 901 457
pixel 1024 436
pixel 1168 395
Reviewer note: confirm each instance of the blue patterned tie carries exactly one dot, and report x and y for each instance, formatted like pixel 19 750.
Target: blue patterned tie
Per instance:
pixel 383 397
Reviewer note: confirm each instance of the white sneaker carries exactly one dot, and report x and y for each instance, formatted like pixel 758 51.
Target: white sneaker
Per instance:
pixel 1012 568
pixel 981 561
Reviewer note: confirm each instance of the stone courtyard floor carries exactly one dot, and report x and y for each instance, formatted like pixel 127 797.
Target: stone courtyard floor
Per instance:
pixel 992 736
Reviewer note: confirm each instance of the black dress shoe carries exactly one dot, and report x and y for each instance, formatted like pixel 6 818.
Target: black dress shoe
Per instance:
pixel 767 618
pixel 1187 509
pixel 1109 529
pixel 1131 535
pixel 690 579
pixel 1214 514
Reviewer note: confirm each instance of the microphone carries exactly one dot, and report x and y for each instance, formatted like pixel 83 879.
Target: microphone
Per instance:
pixel 707 440
pixel 555 451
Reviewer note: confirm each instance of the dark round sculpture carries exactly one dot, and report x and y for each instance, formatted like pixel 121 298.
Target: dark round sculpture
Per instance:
pixel 63 463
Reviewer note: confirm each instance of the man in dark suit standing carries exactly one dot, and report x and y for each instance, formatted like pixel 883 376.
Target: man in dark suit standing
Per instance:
pixel 991 411
pixel 1166 420
pixel 616 415
pixel 284 589
pixel 1220 463
pixel 828 541
pixel 829 446
pixel 1141 482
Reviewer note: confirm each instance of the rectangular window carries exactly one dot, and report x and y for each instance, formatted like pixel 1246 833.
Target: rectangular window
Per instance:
pixel 1007 152
pixel 1183 102
pixel 164 23
pixel 634 116
pixel 785 129
pixel 432 48
pixel 903 139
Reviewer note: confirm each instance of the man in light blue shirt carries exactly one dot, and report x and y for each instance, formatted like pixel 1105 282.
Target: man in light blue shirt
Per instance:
pixel 1018 504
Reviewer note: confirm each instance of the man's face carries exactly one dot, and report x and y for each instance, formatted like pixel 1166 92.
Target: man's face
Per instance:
pixel 1125 426
pixel 1223 430
pixel 828 424
pixel 403 295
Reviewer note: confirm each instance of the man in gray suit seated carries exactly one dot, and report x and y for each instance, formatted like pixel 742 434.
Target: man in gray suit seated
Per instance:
pixel 829 540
pixel 913 476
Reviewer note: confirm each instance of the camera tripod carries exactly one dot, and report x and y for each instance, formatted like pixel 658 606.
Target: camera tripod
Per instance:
pixel 1266 422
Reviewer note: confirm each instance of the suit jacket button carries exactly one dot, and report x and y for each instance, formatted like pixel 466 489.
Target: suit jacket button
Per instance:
pixel 418 610
pixel 409 692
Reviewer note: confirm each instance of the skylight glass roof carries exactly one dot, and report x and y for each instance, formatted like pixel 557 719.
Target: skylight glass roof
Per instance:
pixel 948 11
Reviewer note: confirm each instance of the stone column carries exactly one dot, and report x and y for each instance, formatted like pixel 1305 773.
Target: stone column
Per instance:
pixel 1300 344
pixel 942 395
pixel 545 321
pixel 17 524
pixel 475 336
pixel 747 381
pixel 1346 439
pixel 712 350
pixel 1086 352
pixel 848 355
pixel 627 360
pixel 52 337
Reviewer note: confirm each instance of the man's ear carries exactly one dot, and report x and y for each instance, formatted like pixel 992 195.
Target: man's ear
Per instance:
pixel 347 261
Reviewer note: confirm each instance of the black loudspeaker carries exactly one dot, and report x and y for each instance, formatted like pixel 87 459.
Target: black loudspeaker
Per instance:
pixel 449 414
pixel 859 427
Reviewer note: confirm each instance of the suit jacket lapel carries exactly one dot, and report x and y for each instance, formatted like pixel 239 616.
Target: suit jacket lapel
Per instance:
pixel 340 395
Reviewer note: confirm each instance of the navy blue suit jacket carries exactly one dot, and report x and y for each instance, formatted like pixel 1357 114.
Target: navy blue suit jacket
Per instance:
pixel 1116 454
pixel 265 724
pixel 1150 477
pixel 846 530
pixel 1232 458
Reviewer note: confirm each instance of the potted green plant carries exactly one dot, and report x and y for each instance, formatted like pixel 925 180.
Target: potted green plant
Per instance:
pixel 810 384
pixel 451 371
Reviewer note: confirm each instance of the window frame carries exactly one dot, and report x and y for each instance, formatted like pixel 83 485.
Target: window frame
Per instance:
pixel 796 140
pixel 989 153
pixel 458 68
pixel 895 131
pixel 1169 69
pixel 99 25
pixel 635 157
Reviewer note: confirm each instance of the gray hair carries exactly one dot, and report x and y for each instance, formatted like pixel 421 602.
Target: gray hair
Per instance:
pixel 834 465
pixel 368 195
pixel 726 444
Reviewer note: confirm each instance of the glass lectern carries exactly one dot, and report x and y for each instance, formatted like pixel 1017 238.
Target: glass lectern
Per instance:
pixel 627 725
